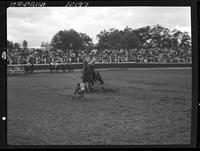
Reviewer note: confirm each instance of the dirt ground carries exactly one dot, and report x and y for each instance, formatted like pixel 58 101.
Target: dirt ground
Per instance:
pixel 139 107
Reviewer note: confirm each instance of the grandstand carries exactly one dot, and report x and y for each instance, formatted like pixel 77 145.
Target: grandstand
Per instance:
pixel 168 58
pixel 106 56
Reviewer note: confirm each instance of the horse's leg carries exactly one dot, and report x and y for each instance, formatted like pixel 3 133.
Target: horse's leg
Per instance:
pixel 99 78
pixel 89 86
pixel 102 86
pixel 92 83
pixel 82 95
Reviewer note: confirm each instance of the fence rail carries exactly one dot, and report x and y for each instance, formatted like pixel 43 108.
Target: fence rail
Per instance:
pixel 74 63
pixel 19 68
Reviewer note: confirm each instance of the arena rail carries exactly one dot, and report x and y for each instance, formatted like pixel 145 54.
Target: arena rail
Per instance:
pixel 122 65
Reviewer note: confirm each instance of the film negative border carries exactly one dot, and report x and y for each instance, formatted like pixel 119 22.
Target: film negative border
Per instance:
pixel 3 38
pixel 198 125
pixel 3 106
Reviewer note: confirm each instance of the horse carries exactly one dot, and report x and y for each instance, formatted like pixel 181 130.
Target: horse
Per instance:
pixel 90 76
pixel 69 67
pixel 52 68
pixel 29 68
pixel 98 77
pixel 63 67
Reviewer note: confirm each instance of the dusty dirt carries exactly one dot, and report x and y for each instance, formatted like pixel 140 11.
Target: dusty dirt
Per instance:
pixel 140 107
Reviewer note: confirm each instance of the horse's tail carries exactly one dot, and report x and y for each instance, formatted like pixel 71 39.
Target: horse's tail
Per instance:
pixel 99 78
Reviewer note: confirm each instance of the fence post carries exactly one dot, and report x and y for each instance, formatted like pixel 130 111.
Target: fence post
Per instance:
pixel 126 55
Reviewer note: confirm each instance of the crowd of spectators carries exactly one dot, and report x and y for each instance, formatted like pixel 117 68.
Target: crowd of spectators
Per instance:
pixel 151 55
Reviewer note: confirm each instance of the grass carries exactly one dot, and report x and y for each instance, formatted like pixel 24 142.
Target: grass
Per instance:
pixel 139 107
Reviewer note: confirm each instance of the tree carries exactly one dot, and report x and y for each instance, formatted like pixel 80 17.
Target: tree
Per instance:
pixel 24 44
pixel 109 39
pixel 157 36
pixel 116 39
pixel 18 51
pixel 86 41
pixel 185 42
pixel 10 50
pixel 144 35
pixel 10 45
pixel 47 48
pixel 45 45
pixel 103 38
pixel 70 39
pixel 130 39
pixel 24 51
pixel 16 46
pixel 13 49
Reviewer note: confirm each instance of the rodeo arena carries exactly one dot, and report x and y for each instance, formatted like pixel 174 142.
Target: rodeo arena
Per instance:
pixel 99 95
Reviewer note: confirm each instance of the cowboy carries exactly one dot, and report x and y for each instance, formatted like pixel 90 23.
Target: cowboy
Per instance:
pixel 89 62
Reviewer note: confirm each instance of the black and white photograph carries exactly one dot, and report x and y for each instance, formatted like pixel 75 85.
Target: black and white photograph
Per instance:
pixel 99 75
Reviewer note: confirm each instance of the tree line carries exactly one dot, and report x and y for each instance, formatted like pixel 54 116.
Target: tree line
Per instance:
pixel 141 38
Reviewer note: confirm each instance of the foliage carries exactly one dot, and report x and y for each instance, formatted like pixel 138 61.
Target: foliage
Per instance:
pixel 71 39
pixel 144 37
